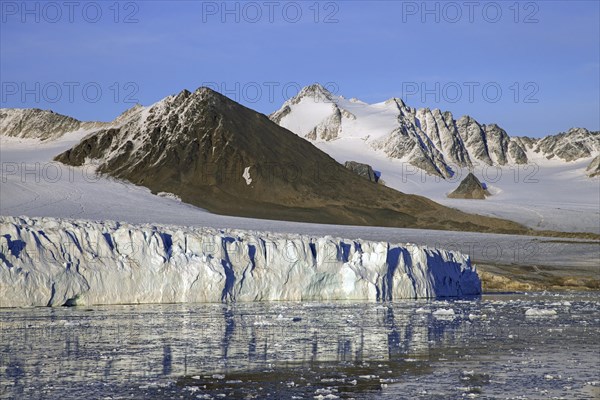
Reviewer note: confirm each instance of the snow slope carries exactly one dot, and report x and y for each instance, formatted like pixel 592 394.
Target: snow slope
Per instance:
pixel 56 262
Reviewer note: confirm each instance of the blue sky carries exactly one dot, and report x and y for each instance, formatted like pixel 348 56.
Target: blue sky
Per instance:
pixel 531 67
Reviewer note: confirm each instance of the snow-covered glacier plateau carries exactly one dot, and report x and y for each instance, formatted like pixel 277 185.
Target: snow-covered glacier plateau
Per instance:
pixel 55 262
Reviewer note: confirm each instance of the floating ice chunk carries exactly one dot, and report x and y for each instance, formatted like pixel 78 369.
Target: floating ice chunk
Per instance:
pixel 561 303
pixel 539 312
pixel 444 313
pixel 327 390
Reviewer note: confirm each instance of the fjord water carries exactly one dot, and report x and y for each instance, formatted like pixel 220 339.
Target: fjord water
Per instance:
pixel 501 346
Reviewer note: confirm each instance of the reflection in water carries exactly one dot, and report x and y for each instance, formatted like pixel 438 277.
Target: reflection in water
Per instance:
pixel 167 360
pixel 340 347
pixel 229 328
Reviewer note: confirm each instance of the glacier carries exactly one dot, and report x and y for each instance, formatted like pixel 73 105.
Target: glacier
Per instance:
pixel 55 262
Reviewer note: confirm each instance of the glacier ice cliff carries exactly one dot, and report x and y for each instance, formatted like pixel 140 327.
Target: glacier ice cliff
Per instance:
pixel 55 262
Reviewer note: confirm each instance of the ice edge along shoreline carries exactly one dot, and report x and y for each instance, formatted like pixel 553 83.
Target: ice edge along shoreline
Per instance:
pixel 55 262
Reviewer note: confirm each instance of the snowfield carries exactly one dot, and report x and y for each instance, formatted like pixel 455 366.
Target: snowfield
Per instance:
pixel 53 262
pixel 543 194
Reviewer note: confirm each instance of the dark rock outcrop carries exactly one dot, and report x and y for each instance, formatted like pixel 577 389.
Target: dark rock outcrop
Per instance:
pixel 470 188
pixel 364 170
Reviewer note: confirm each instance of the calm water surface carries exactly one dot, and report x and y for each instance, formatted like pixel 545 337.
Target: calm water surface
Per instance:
pixel 490 347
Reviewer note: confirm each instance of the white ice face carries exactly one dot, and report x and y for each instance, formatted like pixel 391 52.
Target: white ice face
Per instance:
pixel 55 262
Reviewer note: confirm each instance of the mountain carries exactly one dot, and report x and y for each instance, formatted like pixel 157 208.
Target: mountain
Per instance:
pixel 221 156
pixel 428 139
pixel 34 123
pixel 470 188
pixel 573 145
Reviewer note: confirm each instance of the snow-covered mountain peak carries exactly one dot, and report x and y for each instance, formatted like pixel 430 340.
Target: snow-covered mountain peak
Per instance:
pixel 35 123
pixel 315 92
pixel 319 107
pixel 133 112
pixel 572 145
pixel 431 139
pixel 396 103
pixel 187 97
pixel 355 100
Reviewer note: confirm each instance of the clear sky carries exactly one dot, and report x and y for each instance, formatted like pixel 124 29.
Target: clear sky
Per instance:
pixel 533 67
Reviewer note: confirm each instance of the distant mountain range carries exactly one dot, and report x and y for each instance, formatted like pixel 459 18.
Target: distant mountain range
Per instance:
pixel 428 139
pixel 432 140
pixel 219 155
